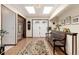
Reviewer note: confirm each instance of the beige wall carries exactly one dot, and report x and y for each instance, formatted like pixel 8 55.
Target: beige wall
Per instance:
pixel 72 11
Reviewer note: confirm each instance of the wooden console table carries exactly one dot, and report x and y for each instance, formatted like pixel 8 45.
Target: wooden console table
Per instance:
pixel 74 43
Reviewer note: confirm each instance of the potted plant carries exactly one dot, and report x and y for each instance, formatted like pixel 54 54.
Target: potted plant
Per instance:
pixel 2 33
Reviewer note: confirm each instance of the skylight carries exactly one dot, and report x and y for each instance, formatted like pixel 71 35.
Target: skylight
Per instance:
pixel 47 10
pixel 30 9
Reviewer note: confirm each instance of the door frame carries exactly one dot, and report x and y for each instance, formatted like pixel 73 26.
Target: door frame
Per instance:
pixel 39 19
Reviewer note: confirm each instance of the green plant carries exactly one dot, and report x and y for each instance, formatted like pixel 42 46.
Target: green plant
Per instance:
pixel 2 32
pixel 58 27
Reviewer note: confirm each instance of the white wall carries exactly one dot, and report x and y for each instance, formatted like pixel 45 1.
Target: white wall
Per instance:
pixel 72 11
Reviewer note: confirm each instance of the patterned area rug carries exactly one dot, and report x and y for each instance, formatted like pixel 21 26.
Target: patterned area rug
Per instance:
pixel 35 48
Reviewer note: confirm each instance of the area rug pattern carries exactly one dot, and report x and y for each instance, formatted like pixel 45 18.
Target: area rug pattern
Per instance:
pixel 35 48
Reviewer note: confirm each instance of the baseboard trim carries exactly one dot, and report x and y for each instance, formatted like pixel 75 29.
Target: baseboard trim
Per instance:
pixel 10 45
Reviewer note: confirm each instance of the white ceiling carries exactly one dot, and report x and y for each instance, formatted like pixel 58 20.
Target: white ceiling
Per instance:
pixel 38 8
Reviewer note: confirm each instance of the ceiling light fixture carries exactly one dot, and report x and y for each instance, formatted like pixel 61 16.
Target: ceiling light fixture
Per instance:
pixel 47 10
pixel 30 9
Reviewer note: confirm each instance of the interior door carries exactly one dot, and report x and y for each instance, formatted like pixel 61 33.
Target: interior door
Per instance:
pixel 40 28
pixel 8 25
pixel 36 28
pixel 43 27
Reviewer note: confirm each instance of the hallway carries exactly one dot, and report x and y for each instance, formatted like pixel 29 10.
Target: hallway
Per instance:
pixel 33 21
pixel 39 29
pixel 26 41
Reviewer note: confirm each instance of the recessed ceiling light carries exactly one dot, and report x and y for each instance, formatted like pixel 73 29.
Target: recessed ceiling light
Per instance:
pixel 30 9
pixel 47 10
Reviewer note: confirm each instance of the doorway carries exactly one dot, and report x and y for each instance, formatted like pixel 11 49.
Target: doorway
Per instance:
pixel 21 28
pixel 40 27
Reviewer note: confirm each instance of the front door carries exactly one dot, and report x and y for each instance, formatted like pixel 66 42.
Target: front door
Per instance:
pixel 36 28
pixel 43 27
pixel 40 28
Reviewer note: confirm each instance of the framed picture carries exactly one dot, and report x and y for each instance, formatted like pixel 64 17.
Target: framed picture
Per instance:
pixel 75 19
pixel 67 20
